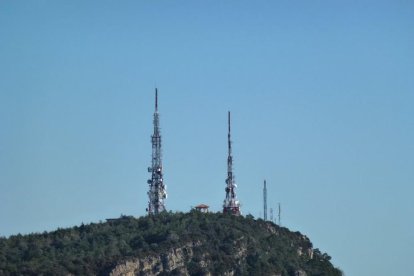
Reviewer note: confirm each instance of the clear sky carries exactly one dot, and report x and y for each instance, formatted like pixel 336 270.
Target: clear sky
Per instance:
pixel 321 95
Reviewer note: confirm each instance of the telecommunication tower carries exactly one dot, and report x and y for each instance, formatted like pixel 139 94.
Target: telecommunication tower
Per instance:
pixel 157 190
pixel 231 205
pixel 264 201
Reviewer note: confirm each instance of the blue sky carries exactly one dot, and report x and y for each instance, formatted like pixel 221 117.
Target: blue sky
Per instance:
pixel 321 95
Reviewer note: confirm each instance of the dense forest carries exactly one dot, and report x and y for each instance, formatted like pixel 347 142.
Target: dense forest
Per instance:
pixel 219 244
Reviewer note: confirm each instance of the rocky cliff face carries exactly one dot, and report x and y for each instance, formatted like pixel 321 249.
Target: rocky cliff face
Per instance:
pixel 173 261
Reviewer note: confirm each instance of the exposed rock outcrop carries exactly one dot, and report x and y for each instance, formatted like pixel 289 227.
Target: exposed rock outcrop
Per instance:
pixel 174 260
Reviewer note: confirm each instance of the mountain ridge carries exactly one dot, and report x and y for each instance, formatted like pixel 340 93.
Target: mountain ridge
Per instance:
pixel 191 243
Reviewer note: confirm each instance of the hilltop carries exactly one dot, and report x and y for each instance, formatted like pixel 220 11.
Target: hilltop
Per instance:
pixel 191 243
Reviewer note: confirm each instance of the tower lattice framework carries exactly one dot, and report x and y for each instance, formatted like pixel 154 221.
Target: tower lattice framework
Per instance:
pixel 231 205
pixel 157 190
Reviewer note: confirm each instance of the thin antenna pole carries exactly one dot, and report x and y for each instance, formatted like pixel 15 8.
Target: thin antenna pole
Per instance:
pixel 229 134
pixel 278 214
pixel 156 99
pixel 264 201
pixel 229 122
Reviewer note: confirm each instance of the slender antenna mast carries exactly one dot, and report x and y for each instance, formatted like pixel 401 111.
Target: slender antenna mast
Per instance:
pixel 264 201
pixel 278 214
pixel 157 191
pixel 230 205
pixel 156 100
pixel 229 142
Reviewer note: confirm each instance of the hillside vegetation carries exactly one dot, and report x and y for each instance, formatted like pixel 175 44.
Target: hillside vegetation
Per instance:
pixel 168 244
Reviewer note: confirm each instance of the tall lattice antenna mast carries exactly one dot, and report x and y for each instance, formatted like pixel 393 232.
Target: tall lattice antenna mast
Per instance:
pixel 264 201
pixel 157 190
pixel 231 205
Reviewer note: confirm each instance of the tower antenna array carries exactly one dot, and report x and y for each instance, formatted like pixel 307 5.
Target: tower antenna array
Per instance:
pixel 264 201
pixel 230 205
pixel 157 190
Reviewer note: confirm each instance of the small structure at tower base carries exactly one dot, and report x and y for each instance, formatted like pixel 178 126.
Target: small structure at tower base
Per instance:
pixel 202 208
